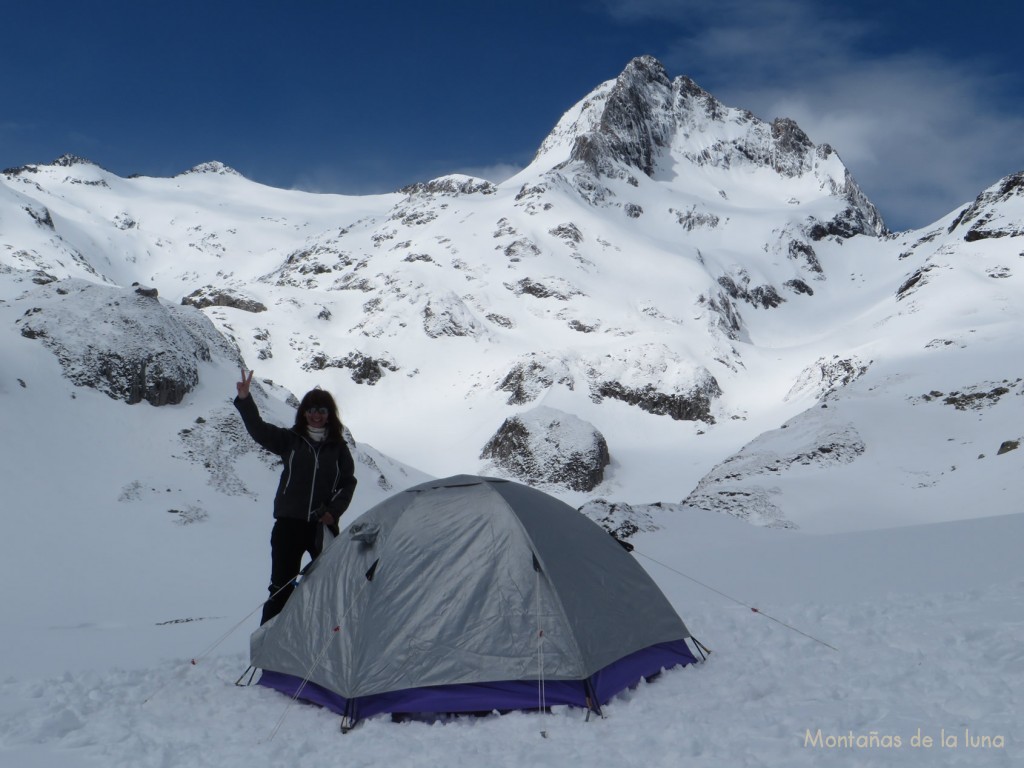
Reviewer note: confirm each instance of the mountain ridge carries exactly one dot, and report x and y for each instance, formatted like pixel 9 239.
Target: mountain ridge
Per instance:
pixel 680 275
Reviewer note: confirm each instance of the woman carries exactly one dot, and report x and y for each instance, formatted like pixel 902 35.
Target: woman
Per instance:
pixel 316 484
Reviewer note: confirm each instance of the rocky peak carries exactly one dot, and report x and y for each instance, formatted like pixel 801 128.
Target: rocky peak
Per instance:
pixel 990 215
pixel 633 124
pixel 212 167
pixel 451 185
pixel 67 160
pixel 643 121
pixel 791 142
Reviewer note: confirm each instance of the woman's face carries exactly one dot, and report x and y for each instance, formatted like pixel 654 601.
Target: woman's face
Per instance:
pixel 316 416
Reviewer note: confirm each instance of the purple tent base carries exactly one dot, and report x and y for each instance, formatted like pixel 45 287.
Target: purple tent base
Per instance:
pixel 486 697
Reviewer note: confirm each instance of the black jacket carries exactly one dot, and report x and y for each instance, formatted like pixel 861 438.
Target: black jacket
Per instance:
pixel 314 474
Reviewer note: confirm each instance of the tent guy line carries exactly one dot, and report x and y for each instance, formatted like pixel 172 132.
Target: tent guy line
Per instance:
pixel 735 600
pixel 323 652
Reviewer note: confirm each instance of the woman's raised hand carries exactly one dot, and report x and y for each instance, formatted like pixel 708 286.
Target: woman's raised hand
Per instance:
pixel 243 385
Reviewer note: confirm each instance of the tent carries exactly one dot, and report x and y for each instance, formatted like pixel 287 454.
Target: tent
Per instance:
pixel 469 594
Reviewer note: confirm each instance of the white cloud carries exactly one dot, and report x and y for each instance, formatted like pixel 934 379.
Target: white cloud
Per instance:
pixel 495 173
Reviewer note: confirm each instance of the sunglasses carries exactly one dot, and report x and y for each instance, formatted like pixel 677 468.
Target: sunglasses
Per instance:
pixel 320 409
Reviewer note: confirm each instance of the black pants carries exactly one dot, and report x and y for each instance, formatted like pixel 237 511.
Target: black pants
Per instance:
pixel 289 541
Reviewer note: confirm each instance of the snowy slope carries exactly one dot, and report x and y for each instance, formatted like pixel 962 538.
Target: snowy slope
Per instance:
pixel 925 621
pixel 708 291
pixel 678 273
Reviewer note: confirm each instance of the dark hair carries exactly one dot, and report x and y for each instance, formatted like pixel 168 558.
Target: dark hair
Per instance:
pixel 320 398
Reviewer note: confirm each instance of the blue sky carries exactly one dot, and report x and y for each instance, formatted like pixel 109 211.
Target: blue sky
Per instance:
pixel 922 100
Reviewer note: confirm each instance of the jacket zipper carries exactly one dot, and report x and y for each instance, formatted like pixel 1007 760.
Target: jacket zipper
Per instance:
pixel 312 484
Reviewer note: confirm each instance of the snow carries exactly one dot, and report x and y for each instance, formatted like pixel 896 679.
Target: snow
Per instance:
pixel 926 621
pixel 134 539
pixel 109 598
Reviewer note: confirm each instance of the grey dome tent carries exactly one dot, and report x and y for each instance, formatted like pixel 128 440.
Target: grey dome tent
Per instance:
pixel 469 594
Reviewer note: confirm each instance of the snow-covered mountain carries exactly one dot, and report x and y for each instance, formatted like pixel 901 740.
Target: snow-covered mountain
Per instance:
pixel 676 311
pixel 709 294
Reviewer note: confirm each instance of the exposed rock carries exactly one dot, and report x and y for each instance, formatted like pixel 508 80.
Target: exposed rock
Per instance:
pixel 799 286
pixel 693 405
pixel 530 377
pixel 209 296
pixel 581 327
pixel 551 288
pixel 764 296
pixel 795 149
pixel 547 446
pixel 633 125
pixel 214 167
pixel 302 267
pixel 914 282
pixel 449 316
pixel 67 160
pixel 365 369
pixel 744 484
pixel 804 252
pixel 128 346
pixel 694 218
pixel 975 397
pixel 725 316
pixel 454 184
pixel 568 232
pixel 623 520
pixel 825 377
pixel 1007 446
pixel 40 215
pixel 516 250
pixel 984 215
pixel 502 320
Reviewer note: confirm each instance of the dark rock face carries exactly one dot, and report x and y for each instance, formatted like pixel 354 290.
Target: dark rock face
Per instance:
pixel 451 185
pixel 914 282
pixel 208 296
pixel 694 405
pixel 975 397
pixel 804 252
pixel 528 378
pixel 552 288
pixel 983 215
pixel 365 369
pixel 799 286
pixel 791 143
pixel 546 446
pixel 40 216
pixel 632 128
pixel 623 520
pixel 764 296
pixel 128 345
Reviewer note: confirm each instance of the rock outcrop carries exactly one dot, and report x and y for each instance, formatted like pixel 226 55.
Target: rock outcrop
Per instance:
pixel 547 446
pixel 128 345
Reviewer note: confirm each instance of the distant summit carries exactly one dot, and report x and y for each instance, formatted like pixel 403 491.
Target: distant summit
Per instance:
pixel 67 160
pixel 676 300
pixel 645 122
pixel 212 167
